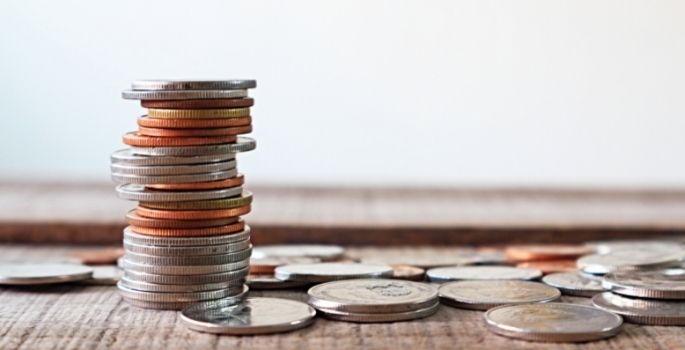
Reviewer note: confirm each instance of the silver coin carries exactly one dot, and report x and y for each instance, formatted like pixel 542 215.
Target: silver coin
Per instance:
pixel 380 317
pixel 426 260
pixel 182 94
pixel 233 287
pixel 184 260
pixel 137 238
pixel 127 157
pixel 659 284
pixel 323 252
pixel 552 322
pixel 105 275
pixel 179 305
pixel 18 274
pixel 216 249
pixel 186 279
pixel 625 260
pixel 455 273
pixel 251 316
pixel 158 170
pixel 574 283
pixel 140 193
pixel 183 269
pixel 176 297
pixel 243 144
pixel 486 294
pixel 270 282
pixel 642 311
pixel 232 84
pixel 173 179
pixel 325 272
pixel 605 247
pixel 373 296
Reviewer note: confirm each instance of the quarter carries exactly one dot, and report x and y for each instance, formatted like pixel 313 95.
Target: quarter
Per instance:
pixel 639 259
pixel 182 94
pixel 486 294
pixel 658 284
pixel 18 274
pixel 642 311
pixel 575 283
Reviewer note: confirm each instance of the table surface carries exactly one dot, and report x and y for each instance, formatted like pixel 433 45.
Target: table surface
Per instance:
pixel 95 317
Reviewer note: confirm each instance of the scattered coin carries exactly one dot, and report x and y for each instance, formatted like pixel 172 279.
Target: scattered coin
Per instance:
pixel 455 273
pixel 486 294
pixel 322 252
pixel 621 260
pixel 380 317
pixel 659 284
pixel 575 283
pixel 269 265
pixel 98 256
pixel 18 274
pixel 243 144
pixel 605 247
pixel 552 322
pixel 269 282
pixel 192 214
pixel 550 266
pixel 171 85
pixel 454 257
pixel 537 252
pixel 182 94
pixel 213 103
pixel 409 273
pixel 325 272
pixel 251 316
pixel 642 311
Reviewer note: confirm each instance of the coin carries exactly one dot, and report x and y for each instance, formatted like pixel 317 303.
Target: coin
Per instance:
pixel 195 186
pixel 243 144
pixel 231 84
pixel 182 94
pixel 167 297
pixel 546 252
pixel 103 275
pixel 486 294
pixel 323 252
pixel 550 266
pixel 127 157
pixel 269 282
pixel 453 257
pixel 192 214
pixel 642 311
pixel 18 274
pixel 191 232
pixel 98 256
pixel 172 169
pixel 189 261
pixel 223 203
pixel 575 283
pixel 659 284
pixel 269 265
pixel 179 305
pixel 202 250
pixel 380 317
pixel 409 273
pixel 604 247
pixel 159 132
pixel 135 139
pixel 216 114
pixel 132 237
pixel 552 322
pixel 325 272
pixel 186 279
pixel 134 219
pixel 621 260
pixel 372 296
pixel 183 269
pixel 149 180
pixel 445 274
pixel 149 122
pixel 232 286
pixel 252 316
pixel 199 104
pixel 140 193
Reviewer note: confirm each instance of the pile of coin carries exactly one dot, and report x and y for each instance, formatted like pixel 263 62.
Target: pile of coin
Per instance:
pixel 186 241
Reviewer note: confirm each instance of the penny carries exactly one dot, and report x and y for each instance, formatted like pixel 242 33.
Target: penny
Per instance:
pixel 251 316
pixel 190 232
pixel 550 266
pixel 145 131
pixel 380 317
pixel 445 274
pixel 659 284
pixel 141 193
pixel 192 214
pixel 155 179
pixel 136 139
pixel 642 311
pixel 199 104
pixel 200 114
pixel 182 94
pixel 98 256
pixel 546 252
pixel 322 252
pixel 127 157
pixel 486 294
pixel 269 282
pixel 46 273
pixel 552 322
pixel 575 283
pixel 231 84
pixel 218 259
pixel 409 273
pixel 269 265
pixel 214 249
pixel 233 287
pixel 175 297
pixel 326 272
pixel 372 296
pixel 132 237
pixel 640 259
pixel 173 169
pixel 134 219
pixel 193 123
pixel 186 279
pixel 178 305
pixel 243 144
pixel 184 270
pixel 223 203
pixel 232 182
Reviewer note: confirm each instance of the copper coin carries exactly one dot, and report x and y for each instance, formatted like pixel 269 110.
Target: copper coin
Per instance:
pixel 193 123
pixel 194 132
pixel 98 256
pixel 190 232
pixel 134 219
pixel 211 185
pixel 192 214
pixel 199 104
pixel 268 265
pixel 198 113
pixel 534 252
pixel 408 272
pixel 135 139
pixel 550 266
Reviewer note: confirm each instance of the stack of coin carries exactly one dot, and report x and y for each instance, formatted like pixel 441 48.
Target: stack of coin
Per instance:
pixel 186 241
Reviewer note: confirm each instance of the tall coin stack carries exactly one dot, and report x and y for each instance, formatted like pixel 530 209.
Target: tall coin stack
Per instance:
pixel 186 241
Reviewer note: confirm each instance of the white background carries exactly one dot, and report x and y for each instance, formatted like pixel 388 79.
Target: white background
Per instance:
pixel 545 92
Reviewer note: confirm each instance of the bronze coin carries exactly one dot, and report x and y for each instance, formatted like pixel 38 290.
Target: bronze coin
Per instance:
pixel 190 232
pixel 98 256
pixel 145 131
pixel 550 266
pixel 199 104
pixel 134 219
pixel 534 252
pixel 192 214
pixel 193 123
pixel 408 272
pixel 211 185
pixel 135 139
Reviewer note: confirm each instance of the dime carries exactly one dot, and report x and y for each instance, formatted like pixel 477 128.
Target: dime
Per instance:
pixel 183 269
pixel 550 266
pixel 150 122
pixel 409 273
pixel 325 272
pixel 552 322
pixel 323 252
pixel 189 261
pixel 172 169
pixel 232 287
pixel 191 232
pixel 574 283
pixel 269 282
pixel 380 317
pixel 659 284
pixel 199 104
pixel 135 139
pixel 252 316
pixel 622 260
pixel 269 265
pixel 642 311
pixel 226 113
pixel 445 274
pixel 186 279
pixel 159 132
pixel 47 273
pixel 165 297
pixel 192 214
pixel 243 144
pixel 202 250
pixel 372 296
pixel 148 180
pixel 140 193
pixel 231 84
pixel 486 294
pixel 195 186
pixel 546 252
pixel 179 305
pixel 132 237
pixel 182 94
pixel 127 157
pixel 98 256
pixel 222 203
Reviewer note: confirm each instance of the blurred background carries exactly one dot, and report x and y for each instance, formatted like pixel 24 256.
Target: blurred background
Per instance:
pixel 421 93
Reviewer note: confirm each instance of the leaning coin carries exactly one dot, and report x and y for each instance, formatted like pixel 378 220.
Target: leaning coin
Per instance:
pixel 182 94
pixel 243 144
pixel 251 316
pixel 625 260
pixel 183 269
pixel 135 238
pixel 149 180
pixel 642 311
pixel 127 157
pixel 455 273
pixel 128 169
pixel 231 84
pixel 658 284
pixel 323 252
pixel 232 286
pixel 185 260
pixel 325 272
pixel 486 294
pixel 380 317
pixel 186 279
pixel 245 198
pixel 215 249
pixel 552 322
pixel 269 282
pixel 575 283
pixel 140 193
pixel 372 296
pixel 46 273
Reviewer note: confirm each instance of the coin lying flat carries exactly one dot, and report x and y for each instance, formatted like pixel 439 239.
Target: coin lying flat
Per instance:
pixel 216 249
pixel 173 179
pixel 454 257
pixel 199 104
pixel 185 279
pixel 184 269
pixel 245 198
pixel 270 282
pixel 182 94
pixel 455 273
pixel 325 272
pixel 269 265
pixel 167 297
pixel 623 260
pixel 552 322
pixel 231 286
pixel 605 247
pixel 140 193
pixel 575 283
pixel 380 317
pixel 550 266
pixel 323 252
pixel 230 84
pixel 189 260
pixel 243 144
pixel 372 296
pixel 135 238
pixel 178 305
pixel 486 294
pixel 127 157
pixel 202 168
pixel 546 252
pixel 409 273
pixel 239 180
pixel 251 316
pixel 659 284
pixel 133 219
pixel 104 275
pixel 642 311
pixel 47 273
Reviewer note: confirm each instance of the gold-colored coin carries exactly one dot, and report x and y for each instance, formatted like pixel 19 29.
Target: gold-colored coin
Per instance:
pixel 158 113
pixel 224 203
